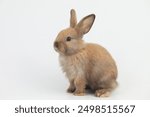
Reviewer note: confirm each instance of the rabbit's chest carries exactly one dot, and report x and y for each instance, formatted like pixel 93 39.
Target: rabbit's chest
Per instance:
pixel 72 66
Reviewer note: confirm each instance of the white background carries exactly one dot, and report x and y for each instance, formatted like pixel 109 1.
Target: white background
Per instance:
pixel 29 67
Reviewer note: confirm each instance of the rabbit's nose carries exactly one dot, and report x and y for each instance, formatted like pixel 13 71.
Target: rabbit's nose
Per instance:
pixel 56 44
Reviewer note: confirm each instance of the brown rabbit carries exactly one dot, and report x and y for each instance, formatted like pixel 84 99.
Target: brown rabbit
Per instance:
pixel 85 64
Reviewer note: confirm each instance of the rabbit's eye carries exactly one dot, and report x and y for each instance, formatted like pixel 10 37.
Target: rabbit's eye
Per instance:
pixel 68 39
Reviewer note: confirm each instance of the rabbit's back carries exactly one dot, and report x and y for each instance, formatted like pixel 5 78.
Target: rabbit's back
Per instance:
pixel 101 68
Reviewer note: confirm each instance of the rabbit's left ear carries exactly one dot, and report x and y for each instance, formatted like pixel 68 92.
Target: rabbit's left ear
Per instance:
pixel 73 18
pixel 85 24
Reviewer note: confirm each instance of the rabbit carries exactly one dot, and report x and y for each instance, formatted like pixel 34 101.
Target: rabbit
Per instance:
pixel 85 64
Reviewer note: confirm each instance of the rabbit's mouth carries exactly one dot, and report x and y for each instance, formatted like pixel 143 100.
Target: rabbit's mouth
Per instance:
pixel 56 49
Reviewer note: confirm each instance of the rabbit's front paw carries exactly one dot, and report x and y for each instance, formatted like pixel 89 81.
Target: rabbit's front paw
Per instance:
pixel 79 93
pixel 71 89
pixel 102 93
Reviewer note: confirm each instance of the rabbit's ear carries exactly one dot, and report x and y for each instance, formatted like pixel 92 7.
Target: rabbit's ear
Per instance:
pixel 73 18
pixel 85 24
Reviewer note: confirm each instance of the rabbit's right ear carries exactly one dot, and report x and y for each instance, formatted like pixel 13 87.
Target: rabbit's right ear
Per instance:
pixel 85 24
pixel 73 18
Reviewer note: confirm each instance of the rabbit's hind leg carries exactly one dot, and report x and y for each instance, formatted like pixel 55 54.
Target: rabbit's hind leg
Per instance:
pixel 106 90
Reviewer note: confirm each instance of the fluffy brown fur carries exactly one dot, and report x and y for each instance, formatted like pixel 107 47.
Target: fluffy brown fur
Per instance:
pixel 85 64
